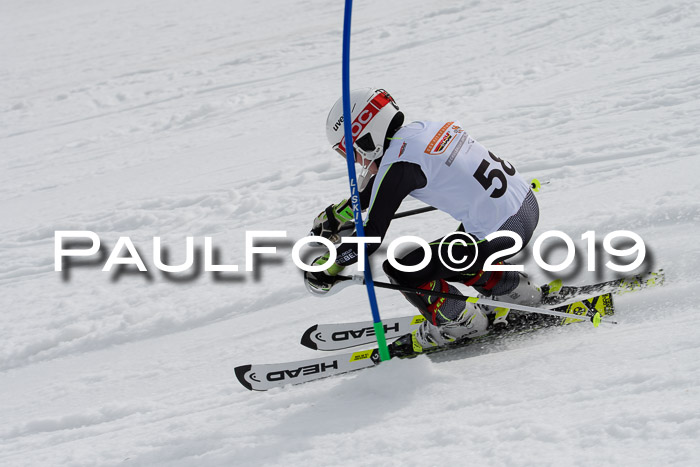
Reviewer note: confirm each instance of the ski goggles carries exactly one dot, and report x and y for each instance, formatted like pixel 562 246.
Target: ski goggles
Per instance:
pixel 365 143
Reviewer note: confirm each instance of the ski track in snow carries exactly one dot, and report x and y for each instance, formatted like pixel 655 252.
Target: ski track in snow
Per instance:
pixel 172 119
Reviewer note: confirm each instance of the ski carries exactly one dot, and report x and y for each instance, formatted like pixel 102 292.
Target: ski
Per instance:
pixel 558 293
pixel 339 336
pixel 262 377
pixel 268 376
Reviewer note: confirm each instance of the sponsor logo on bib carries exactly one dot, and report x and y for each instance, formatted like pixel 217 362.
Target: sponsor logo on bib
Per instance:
pixel 442 139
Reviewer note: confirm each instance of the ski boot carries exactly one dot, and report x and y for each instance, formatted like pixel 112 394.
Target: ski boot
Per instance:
pixel 524 293
pixel 553 293
pixel 470 321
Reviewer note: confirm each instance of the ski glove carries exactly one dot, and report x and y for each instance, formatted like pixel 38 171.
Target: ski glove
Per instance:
pixel 334 222
pixel 320 283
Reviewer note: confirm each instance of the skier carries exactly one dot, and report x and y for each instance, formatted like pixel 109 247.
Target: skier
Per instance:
pixel 439 163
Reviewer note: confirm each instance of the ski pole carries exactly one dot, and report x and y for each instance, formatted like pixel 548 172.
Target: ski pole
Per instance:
pixel 535 184
pixel 335 238
pixel 595 319
pixel 413 212
pixel 354 190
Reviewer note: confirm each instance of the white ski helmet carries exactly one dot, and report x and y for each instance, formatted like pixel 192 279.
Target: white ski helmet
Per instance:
pixel 374 113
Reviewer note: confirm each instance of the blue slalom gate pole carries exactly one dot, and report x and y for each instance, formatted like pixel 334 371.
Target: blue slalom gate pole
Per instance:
pixel 354 191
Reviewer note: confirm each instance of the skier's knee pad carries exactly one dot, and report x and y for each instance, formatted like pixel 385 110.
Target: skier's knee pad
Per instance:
pixel 497 282
pixel 494 283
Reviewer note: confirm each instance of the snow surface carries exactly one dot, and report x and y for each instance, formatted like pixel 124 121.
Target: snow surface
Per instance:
pixel 206 118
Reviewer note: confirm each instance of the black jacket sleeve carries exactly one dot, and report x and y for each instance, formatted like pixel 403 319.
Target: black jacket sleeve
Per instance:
pixel 366 195
pixel 398 182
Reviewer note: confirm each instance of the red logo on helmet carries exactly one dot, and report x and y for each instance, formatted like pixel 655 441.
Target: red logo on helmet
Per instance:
pixel 367 114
